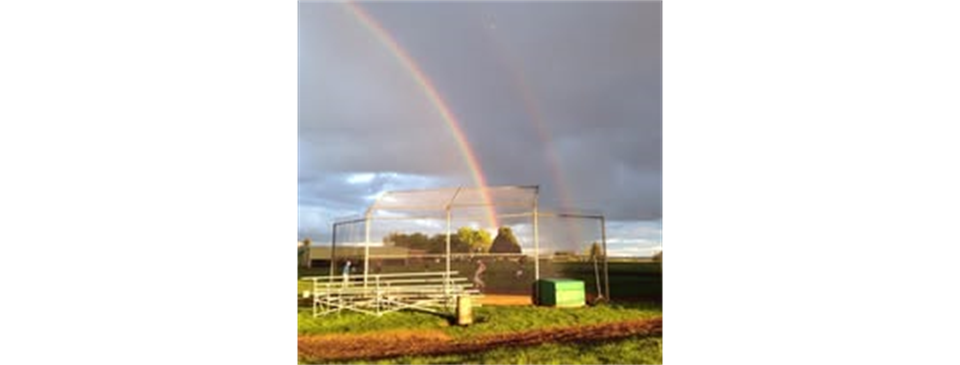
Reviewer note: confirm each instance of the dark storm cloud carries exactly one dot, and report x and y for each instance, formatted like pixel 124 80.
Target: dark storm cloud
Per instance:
pixel 593 69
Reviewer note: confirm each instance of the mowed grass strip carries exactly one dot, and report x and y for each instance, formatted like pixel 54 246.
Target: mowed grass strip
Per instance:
pixel 631 350
pixel 351 322
pixel 380 345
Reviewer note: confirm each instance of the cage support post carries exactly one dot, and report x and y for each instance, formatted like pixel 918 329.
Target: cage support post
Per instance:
pixel 536 234
pixel 366 249
pixel 606 268
pixel 333 252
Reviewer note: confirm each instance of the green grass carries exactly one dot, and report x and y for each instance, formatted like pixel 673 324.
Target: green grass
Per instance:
pixel 301 286
pixel 639 282
pixel 632 350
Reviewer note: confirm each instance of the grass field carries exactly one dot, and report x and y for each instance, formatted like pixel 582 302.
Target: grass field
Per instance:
pixel 636 288
pixel 634 350
pixel 493 321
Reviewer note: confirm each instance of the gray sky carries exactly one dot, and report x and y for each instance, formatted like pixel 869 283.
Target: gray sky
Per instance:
pixel 566 95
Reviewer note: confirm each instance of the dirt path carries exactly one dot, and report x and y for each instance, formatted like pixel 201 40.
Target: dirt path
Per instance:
pixel 495 299
pixel 399 343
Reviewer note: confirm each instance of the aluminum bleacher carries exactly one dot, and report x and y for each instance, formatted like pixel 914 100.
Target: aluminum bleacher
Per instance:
pixel 434 292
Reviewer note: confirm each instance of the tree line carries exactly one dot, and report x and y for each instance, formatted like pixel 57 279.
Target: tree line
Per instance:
pixel 466 240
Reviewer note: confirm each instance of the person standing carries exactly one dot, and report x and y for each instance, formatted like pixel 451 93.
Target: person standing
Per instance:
pixel 477 280
pixel 346 272
pixel 520 263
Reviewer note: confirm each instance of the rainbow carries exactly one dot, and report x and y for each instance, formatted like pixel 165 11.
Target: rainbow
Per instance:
pixel 434 96
pixel 535 114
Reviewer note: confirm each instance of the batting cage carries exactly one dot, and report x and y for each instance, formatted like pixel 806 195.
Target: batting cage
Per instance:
pixel 459 242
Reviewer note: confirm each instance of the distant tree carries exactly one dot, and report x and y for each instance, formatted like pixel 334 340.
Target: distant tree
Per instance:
pixel 419 241
pixel 438 244
pixel 416 241
pixel 485 240
pixel 595 251
pixel 477 239
pixel 505 242
pixel 658 258
pixel 430 244
pixel 306 252
pixel 388 239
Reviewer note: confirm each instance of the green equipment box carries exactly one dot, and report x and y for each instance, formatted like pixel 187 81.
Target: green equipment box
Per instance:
pixel 560 293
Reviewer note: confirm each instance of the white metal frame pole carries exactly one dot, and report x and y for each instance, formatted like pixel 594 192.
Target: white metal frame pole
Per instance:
pixel 366 249
pixel 333 252
pixel 606 267
pixel 446 275
pixel 536 233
